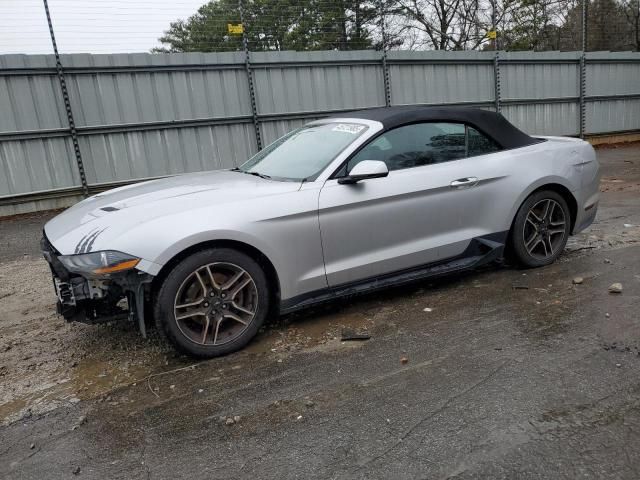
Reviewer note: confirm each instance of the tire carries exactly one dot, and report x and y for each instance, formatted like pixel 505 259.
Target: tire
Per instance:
pixel 199 310
pixel 536 239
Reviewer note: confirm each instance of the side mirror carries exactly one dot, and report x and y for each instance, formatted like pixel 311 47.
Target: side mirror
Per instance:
pixel 364 170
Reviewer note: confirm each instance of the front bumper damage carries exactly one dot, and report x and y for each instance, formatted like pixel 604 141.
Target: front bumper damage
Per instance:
pixel 87 300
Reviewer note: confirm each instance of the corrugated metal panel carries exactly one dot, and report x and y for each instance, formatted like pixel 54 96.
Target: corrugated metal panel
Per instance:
pixel 151 96
pixel 131 155
pixel 540 57
pixel 613 78
pixel 441 82
pixel 458 56
pixel 27 61
pixel 81 60
pixel 33 102
pixel 273 130
pixel 545 118
pixel 613 74
pixel 35 165
pixel 613 116
pixel 531 80
pixel 303 87
pixel 322 56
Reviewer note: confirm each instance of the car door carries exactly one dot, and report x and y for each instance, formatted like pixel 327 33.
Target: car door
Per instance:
pixel 379 226
pixel 443 180
pixel 477 187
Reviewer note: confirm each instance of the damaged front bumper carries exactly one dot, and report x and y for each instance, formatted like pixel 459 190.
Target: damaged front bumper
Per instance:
pixel 97 300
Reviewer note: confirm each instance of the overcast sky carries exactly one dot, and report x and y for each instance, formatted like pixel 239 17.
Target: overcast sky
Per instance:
pixel 93 26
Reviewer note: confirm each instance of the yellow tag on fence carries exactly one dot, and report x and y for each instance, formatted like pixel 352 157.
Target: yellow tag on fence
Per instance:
pixel 235 28
pixel 492 34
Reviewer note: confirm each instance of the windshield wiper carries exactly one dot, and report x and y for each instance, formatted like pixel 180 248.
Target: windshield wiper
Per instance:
pixel 256 174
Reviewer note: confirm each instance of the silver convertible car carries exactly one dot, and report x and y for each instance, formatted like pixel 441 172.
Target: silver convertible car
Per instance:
pixel 340 206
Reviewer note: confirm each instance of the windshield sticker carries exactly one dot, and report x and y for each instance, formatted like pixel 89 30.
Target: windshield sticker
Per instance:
pixel 348 128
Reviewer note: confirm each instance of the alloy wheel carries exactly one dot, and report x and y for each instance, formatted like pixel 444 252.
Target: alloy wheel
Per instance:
pixel 216 303
pixel 544 229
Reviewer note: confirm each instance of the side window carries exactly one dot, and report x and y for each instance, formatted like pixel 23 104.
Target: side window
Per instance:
pixel 478 144
pixel 415 145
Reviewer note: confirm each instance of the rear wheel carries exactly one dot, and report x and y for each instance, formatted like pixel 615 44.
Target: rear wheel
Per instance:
pixel 541 229
pixel 213 302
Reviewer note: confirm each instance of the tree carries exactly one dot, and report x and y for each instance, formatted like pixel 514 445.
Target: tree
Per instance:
pixel 533 25
pixel 275 25
pixel 631 10
pixel 607 27
pixel 439 24
pixel 205 31
pixel 410 24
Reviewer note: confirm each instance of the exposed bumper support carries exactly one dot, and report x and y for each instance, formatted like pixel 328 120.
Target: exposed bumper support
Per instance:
pixel 97 301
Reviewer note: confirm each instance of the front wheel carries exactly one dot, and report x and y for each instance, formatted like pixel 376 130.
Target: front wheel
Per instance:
pixel 213 302
pixel 541 229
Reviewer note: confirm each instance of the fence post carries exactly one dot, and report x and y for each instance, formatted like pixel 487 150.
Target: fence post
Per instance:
pixel 385 67
pixel 248 70
pixel 67 103
pixel 583 71
pixel 496 80
pixel 585 5
pixel 583 89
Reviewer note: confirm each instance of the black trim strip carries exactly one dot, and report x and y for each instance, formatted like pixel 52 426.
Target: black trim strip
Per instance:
pixel 480 251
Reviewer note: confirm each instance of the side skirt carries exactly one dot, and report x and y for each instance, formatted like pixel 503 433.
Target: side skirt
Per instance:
pixel 481 250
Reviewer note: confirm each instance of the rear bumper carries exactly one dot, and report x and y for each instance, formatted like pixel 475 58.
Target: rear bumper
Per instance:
pixel 585 217
pixel 589 194
pixel 587 200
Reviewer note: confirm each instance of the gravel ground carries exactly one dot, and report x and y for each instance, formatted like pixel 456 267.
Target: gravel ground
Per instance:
pixel 541 381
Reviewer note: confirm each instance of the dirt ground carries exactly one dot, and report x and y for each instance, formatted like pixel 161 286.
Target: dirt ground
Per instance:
pixel 509 373
pixel 47 363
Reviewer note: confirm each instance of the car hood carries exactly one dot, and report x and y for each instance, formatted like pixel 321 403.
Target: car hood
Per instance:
pixel 121 208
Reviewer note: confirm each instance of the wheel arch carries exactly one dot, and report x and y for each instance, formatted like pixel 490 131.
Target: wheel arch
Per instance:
pixel 568 197
pixel 555 186
pixel 250 250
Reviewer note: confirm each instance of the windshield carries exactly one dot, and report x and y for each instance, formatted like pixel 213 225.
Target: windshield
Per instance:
pixel 303 153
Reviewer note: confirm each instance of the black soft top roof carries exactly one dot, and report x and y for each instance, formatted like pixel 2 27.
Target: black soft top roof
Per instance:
pixel 490 123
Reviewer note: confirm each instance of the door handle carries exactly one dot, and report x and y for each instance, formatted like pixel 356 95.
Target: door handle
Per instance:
pixel 464 182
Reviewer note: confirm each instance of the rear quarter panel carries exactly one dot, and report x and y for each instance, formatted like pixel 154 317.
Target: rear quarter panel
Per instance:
pixel 512 175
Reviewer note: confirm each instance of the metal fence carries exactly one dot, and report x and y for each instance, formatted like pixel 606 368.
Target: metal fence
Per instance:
pixel 137 116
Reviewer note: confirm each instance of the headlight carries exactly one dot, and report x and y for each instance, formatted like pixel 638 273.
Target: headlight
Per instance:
pixel 99 263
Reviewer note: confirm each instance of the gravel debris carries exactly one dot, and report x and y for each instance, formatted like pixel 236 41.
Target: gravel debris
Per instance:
pixel 615 288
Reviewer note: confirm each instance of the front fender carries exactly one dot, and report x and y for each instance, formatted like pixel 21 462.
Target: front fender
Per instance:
pixel 212 235
pixel 291 242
